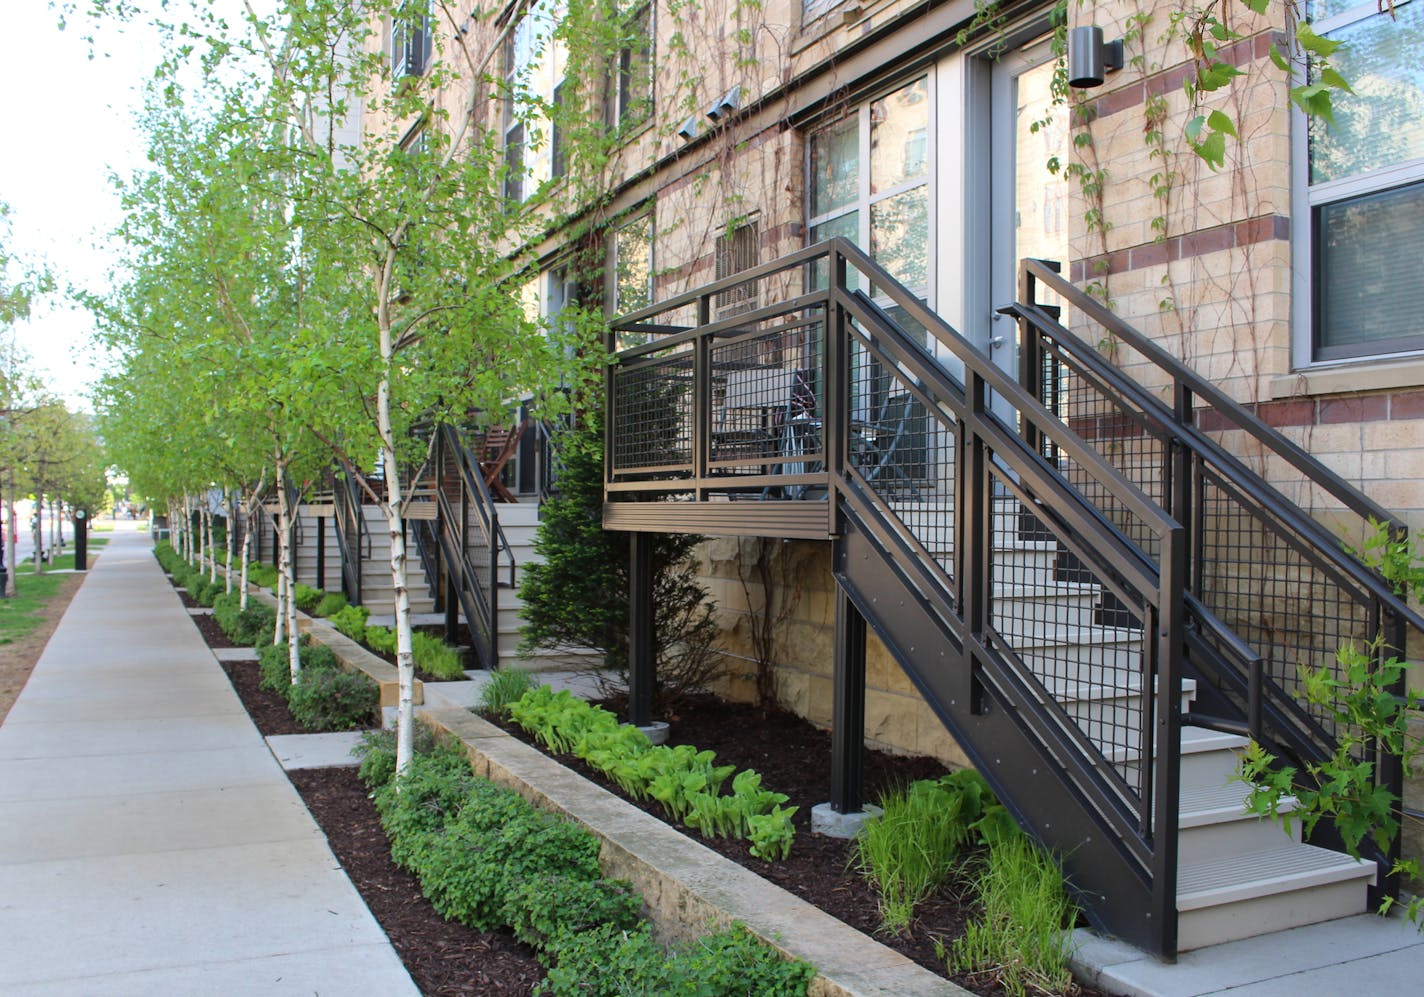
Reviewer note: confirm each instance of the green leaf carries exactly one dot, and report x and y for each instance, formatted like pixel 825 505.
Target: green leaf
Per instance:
pixel 1220 121
pixel 1315 44
pixel 1331 78
pixel 1278 59
pixel 1194 127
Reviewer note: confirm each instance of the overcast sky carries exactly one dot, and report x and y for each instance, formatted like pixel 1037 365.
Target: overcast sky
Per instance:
pixel 70 126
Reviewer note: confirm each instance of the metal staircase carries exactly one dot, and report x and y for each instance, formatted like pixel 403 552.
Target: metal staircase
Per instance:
pixel 1098 600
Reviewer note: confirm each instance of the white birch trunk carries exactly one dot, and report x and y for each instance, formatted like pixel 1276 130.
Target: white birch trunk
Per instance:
pixel 287 606
pixel 405 658
pixel 231 519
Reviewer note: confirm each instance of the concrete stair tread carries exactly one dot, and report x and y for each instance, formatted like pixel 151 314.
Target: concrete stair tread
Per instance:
pixel 1070 690
pixel 1195 741
pixel 1071 636
pixel 1045 590
pixel 1205 805
pixel 1250 875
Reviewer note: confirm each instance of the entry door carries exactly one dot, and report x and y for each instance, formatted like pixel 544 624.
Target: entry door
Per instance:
pixel 1028 203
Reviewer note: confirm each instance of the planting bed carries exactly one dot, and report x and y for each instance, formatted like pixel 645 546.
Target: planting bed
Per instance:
pixel 792 756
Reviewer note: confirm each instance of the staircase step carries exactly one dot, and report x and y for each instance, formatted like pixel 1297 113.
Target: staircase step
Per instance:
pixel 1258 892
pixel 1214 822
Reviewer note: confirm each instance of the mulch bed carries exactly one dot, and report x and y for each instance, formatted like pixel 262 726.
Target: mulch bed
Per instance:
pixel 267 709
pixel 212 633
pixel 443 957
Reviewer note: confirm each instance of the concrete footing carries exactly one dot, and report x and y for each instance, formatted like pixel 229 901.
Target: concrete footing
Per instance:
pixel 829 821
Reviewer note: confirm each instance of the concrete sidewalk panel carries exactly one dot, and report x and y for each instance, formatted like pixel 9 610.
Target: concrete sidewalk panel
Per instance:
pixel 119 735
pixel 351 971
pixel 140 823
pixel 124 775
pixel 141 912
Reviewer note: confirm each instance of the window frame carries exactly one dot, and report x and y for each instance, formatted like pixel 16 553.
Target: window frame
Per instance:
pixel 614 307
pixel 621 98
pixel 411 46
pixel 865 199
pixel 1307 199
pixel 515 131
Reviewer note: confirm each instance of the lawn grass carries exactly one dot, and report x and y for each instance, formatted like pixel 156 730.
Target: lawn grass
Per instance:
pixel 22 614
pixel 65 562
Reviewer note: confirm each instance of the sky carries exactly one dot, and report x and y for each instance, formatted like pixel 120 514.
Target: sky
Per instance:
pixel 70 112
pixel 71 124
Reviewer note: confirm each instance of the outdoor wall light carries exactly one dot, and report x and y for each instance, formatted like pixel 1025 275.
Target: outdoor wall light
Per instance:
pixel 688 131
pixel 1090 59
pixel 729 101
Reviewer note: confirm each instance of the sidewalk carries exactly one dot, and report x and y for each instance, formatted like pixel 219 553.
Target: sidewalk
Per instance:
pixel 149 841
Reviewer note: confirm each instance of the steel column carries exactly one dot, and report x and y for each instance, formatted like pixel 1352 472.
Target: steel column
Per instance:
pixel 848 712
pixel 641 650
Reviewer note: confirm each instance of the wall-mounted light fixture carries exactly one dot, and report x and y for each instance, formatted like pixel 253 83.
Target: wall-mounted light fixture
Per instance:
pixel 1090 59
pixel 688 131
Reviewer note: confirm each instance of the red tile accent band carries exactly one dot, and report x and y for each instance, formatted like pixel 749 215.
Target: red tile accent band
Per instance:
pixel 1232 235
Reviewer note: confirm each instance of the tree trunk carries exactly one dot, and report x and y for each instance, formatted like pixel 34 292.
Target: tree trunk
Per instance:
pixel 287 606
pixel 405 658
pixel 231 501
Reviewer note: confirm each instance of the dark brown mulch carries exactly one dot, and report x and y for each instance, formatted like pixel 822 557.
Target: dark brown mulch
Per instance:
pixel 443 957
pixel 267 709
pixel 188 601
pixel 212 633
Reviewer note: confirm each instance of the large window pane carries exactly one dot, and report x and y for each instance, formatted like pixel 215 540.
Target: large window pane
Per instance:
pixel 835 166
pixel 847 227
pixel 1382 123
pixel 900 236
pixel 1370 274
pixel 899 136
pixel 633 265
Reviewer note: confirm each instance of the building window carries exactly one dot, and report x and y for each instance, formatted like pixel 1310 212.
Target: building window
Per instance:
pixel 738 250
pixel 869 182
pixel 812 9
pixel 535 62
pixel 632 265
pixel 410 39
pixel 633 102
pixel 1363 181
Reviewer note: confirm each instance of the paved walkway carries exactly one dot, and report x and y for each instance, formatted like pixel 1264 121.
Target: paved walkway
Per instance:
pixel 149 841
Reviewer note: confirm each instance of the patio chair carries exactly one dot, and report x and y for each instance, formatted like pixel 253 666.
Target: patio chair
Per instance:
pixel 501 443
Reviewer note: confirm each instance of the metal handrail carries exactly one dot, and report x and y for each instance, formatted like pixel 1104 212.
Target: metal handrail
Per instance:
pixel 1163 419
pixel 473 483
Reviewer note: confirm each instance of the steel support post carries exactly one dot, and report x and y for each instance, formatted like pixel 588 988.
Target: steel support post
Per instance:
pixel 641 652
pixel 848 712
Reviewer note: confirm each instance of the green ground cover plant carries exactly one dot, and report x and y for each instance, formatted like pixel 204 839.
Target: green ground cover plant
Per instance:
pixel 325 696
pixel 916 844
pixel 938 831
pixel 505 686
pixel 244 626
pixel 307 598
pixel 351 621
pixel 330 604
pixel 488 858
pixel 1021 937
pixel 686 782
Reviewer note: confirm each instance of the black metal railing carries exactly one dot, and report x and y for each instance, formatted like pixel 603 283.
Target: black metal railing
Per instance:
pixel 827 392
pixel 353 536
pixel 1271 588
pixel 473 546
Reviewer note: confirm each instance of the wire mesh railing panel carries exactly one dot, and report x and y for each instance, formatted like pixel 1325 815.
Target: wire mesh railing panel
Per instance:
pixel 1120 434
pixel 653 414
pixel 904 449
pixel 1262 583
pixel 1051 610
pixel 767 395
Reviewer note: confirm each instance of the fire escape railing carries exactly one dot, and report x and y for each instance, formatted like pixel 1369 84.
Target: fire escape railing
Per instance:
pixel 474 558
pixel 1269 587
pixel 822 394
